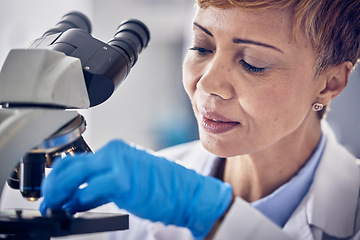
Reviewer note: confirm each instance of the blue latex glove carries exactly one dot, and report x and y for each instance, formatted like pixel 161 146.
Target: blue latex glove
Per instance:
pixel 146 185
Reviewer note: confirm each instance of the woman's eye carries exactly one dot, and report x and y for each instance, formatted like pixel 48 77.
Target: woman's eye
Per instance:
pixel 200 50
pixel 251 68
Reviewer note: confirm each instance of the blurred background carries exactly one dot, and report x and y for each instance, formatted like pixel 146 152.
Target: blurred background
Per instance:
pixel 150 108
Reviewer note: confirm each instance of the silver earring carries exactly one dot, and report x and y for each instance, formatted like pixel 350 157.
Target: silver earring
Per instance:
pixel 317 107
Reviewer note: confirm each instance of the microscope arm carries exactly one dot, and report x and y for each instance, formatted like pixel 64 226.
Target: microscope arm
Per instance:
pixel 37 84
pixel 23 129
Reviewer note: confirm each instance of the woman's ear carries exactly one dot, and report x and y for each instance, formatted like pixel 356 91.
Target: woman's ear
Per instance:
pixel 335 80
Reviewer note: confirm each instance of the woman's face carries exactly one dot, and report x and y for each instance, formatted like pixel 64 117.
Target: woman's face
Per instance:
pixel 251 86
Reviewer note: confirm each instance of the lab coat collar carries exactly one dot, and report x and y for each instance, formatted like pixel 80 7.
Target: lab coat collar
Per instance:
pixel 331 203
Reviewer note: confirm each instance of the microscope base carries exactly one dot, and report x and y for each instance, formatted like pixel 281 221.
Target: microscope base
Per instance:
pixel 30 225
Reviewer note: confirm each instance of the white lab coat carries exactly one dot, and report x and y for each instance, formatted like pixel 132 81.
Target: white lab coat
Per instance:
pixel 330 210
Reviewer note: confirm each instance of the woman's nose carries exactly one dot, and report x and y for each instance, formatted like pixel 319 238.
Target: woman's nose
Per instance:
pixel 216 80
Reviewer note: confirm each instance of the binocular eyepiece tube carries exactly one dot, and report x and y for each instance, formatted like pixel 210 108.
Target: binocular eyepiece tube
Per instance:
pixel 105 65
pixel 71 20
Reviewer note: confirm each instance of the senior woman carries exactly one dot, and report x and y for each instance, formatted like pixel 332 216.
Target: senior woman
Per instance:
pixel 260 75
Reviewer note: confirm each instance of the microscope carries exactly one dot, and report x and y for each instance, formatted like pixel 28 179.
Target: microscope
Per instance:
pixel 42 88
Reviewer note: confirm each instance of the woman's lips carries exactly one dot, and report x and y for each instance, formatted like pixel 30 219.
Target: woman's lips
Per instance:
pixel 215 123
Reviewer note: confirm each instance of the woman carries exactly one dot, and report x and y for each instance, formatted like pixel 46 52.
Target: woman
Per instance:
pixel 259 75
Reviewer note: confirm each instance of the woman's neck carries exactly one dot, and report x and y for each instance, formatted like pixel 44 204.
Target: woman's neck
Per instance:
pixel 256 175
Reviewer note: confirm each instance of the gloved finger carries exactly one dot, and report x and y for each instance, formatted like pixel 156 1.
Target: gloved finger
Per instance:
pixel 96 164
pixel 69 173
pixel 63 162
pixel 99 161
pixel 62 183
pixel 74 205
pixel 99 190
pixel 87 168
pixel 43 208
pixel 65 179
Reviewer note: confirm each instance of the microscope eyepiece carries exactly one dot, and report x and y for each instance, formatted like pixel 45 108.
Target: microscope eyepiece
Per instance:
pixel 71 20
pixel 132 37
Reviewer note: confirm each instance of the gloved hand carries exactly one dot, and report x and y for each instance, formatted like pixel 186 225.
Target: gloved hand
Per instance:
pixel 146 185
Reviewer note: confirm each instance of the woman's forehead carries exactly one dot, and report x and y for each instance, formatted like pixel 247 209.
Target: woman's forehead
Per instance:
pixel 236 20
pixel 272 25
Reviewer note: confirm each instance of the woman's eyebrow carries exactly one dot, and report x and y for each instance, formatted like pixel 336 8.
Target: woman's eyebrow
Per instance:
pixel 239 40
pixel 203 29
pixel 245 41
